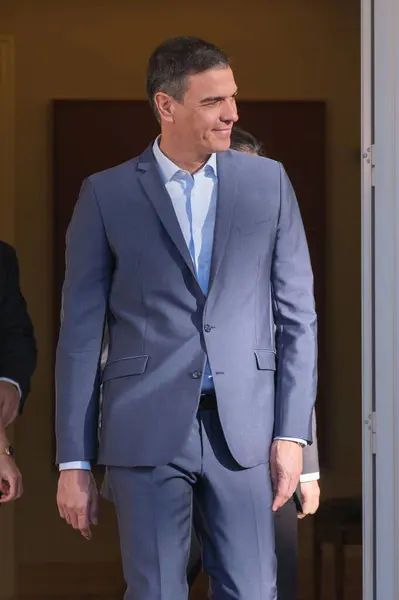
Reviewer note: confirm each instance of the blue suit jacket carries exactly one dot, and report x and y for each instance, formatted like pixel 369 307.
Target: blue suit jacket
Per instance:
pixel 127 264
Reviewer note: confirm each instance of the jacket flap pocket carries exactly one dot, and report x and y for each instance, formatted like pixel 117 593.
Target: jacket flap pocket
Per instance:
pixel 133 365
pixel 266 360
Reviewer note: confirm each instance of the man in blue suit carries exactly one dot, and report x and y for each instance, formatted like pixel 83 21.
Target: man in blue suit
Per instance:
pixel 191 254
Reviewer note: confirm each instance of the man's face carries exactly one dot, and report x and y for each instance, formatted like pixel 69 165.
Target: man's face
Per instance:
pixel 203 120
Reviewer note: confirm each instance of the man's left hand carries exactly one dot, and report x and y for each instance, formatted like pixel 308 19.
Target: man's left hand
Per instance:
pixel 310 492
pixel 286 468
pixel 9 402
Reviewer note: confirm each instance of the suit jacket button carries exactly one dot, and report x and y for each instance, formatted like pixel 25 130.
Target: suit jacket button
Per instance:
pixel 207 328
pixel 196 374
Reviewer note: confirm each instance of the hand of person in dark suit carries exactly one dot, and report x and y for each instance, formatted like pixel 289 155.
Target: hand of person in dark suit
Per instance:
pixel 9 402
pixel 286 468
pixel 10 478
pixel 77 500
pixel 310 496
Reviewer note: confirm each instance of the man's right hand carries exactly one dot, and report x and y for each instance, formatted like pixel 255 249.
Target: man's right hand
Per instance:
pixel 77 500
pixel 11 486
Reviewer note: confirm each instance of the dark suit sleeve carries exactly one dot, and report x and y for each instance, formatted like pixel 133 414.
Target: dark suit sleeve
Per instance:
pixel 18 352
pixel 311 453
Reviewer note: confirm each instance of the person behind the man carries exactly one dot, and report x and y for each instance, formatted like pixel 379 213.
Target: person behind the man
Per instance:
pixel 306 498
pixel 180 250
pixel 17 363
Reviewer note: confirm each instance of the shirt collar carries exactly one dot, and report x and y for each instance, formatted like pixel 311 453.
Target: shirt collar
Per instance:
pixel 168 168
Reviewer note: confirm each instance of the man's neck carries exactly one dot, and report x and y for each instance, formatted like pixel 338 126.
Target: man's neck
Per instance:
pixel 185 160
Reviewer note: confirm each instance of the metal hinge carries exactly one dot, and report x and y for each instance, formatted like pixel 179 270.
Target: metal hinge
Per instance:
pixel 369 157
pixel 372 166
pixel 372 427
pixel 374 432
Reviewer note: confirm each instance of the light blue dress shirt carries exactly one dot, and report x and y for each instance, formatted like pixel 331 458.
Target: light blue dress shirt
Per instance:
pixel 194 199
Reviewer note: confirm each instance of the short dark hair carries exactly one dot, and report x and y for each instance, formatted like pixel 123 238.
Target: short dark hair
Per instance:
pixel 244 141
pixel 175 59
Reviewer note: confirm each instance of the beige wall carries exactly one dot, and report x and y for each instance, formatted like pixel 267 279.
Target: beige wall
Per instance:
pixel 296 49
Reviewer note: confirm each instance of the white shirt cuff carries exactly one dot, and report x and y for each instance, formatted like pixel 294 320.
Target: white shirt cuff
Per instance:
pixel 309 477
pixel 13 383
pixel 289 439
pixel 77 464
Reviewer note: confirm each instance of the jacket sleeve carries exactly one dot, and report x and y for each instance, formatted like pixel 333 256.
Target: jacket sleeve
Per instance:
pixel 84 301
pixel 18 353
pixel 295 319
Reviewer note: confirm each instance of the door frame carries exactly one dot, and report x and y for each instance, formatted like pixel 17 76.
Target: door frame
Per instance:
pixel 386 296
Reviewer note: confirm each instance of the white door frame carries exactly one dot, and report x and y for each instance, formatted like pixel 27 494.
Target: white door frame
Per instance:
pixel 380 223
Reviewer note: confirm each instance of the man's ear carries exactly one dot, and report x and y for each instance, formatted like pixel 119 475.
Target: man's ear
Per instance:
pixel 165 106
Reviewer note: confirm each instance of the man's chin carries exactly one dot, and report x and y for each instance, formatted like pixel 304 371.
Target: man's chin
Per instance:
pixel 221 145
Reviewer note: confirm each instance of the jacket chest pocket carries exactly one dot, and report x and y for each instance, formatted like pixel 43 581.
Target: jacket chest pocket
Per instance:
pixel 248 227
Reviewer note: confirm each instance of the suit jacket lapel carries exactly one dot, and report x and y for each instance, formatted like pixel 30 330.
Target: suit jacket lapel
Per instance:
pixel 227 184
pixel 160 199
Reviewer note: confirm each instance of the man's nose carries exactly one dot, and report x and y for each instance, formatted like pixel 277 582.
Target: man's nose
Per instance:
pixel 229 114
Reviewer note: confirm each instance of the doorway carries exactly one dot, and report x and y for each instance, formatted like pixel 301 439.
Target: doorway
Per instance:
pixel 282 51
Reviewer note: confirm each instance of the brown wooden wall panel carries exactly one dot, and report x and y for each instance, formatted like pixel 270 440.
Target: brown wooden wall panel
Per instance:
pixel 91 135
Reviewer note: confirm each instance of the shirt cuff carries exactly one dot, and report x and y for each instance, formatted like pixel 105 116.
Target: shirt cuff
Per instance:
pixel 289 439
pixel 77 464
pixel 13 383
pixel 309 477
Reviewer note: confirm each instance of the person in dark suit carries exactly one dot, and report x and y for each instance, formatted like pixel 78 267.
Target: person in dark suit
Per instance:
pixel 306 498
pixel 191 253
pixel 17 362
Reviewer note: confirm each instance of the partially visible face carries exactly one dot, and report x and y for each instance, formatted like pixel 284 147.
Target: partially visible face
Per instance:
pixel 203 120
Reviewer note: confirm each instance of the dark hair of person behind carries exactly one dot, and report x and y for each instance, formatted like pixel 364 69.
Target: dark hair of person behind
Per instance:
pixel 175 59
pixel 243 141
